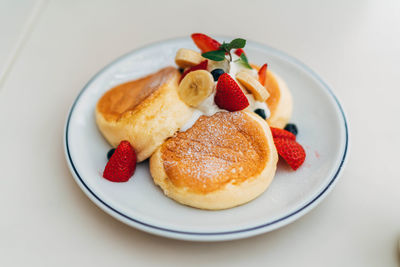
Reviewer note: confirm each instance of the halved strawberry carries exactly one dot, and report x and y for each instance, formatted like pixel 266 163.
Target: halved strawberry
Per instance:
pixel 239 52
pixel 201 66
pixel 122 163
pixel 280 133
pixel 205 43
pixel 229 96
pixel 291 151
pixel 262 74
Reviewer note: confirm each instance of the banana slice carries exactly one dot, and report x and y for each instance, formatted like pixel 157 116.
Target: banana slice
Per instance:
pixel 253 85
pixel 187 58
pixel 196 87
pixel 252 73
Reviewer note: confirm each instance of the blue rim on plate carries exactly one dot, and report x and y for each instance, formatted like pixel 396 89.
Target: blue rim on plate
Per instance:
pixel 186 234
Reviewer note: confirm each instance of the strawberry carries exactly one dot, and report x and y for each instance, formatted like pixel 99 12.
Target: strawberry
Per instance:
pixel 229 96
pixel 205 43
pixel 280 133
pixel 262 74
pixel 122 163
pixel 239 52
pixel 201 66
pixel 291 151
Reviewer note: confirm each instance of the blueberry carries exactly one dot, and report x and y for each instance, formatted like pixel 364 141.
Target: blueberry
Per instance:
pixel 216 73
pixel 110 153
pixel 181 70
pixel 291 127
pixel 261 113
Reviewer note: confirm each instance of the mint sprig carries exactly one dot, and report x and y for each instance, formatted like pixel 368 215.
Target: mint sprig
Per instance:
pixel 244 61
pixel 217 55
pixel 225 49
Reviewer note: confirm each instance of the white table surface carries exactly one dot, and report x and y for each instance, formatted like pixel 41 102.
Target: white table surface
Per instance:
pixel 59 45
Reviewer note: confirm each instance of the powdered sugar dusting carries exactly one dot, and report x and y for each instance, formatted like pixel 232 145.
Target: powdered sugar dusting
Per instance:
pixel 216 150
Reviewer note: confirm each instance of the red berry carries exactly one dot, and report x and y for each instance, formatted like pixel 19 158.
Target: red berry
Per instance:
pixel 262 74
pixel 201 66
pixel 239 52
pixel 205 43
pixel 291 151
pixel 280 133
pixel 229 96
pixel 122 163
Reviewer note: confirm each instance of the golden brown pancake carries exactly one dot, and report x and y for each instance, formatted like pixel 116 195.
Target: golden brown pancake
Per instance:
pixel 279 102
pixel 145 111
pixel 127 96
pixel 222 161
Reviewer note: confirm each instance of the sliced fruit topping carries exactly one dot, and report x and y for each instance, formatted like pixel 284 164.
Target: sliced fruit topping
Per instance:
pixel 122 163
pixel 291 127
pixel 201 66
pixel 217 73
pixel 229 96
pixel 262 74
pixel 187 58
pixel 280 133
pixel 110 153
pixel 253 85
pixel 291 151
pixel 252 73
pixel 239 52
pixel 205 43
pixel 196 87
pixel 260 112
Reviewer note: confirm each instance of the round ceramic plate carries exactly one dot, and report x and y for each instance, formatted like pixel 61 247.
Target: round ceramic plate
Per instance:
pixel 141 204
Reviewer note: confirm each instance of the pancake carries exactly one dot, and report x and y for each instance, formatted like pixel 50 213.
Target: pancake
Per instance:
pixel 145 112
pixel 222 161
pixel 280 100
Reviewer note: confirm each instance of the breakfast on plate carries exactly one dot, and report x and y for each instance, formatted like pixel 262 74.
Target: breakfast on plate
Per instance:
pixel 213 128
pixel 144 112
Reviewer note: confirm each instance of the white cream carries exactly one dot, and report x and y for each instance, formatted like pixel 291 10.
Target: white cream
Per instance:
pixel 209 108
pixel 254 104
pixel 236 67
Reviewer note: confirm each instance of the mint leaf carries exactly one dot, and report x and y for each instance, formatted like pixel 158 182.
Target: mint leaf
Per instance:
pixel 237 43
pixel 217 55
pixel 226 47
pixel 243 60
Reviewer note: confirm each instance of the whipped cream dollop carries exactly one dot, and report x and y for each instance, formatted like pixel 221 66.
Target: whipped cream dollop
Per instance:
pixel 208 106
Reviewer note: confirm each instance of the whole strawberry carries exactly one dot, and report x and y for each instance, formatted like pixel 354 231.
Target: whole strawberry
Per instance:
pixel 280 133
pixel 291 151
pixel 229 96
pixel 122 163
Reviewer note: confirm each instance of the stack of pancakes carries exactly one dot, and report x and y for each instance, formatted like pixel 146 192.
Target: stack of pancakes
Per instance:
pixel 222 161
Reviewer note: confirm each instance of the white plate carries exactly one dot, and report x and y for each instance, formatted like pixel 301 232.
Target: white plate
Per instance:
pixel 139 203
